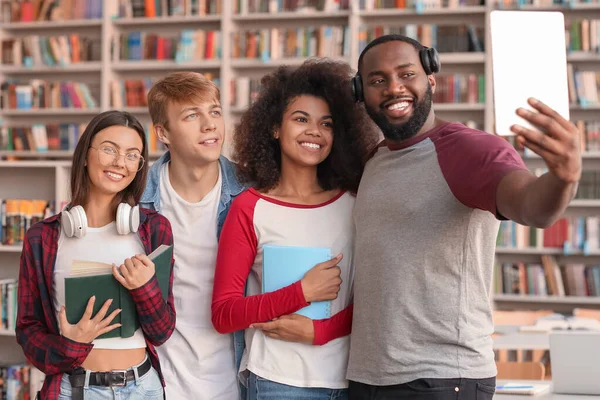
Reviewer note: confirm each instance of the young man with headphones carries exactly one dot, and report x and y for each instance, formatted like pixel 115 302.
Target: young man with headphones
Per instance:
pixel 427 215
pixel 102 223
pixel 193 186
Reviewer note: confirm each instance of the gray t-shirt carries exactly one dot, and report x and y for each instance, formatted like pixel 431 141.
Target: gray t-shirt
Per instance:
pixel 426 230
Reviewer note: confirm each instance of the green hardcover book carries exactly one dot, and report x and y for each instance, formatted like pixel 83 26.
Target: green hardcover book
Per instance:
pixel 90 278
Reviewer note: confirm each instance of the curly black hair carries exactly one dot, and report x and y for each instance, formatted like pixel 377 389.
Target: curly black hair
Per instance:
pixel 354 135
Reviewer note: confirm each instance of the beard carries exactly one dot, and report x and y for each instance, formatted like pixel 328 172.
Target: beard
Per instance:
pixel 408 129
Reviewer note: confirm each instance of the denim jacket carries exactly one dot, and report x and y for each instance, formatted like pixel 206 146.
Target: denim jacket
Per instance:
pixel 230 188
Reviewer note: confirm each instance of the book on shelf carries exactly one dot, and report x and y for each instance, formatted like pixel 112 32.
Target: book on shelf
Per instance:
pixel 56 137
pixel 589 185
pixel 459 88
pixel 20 381
pixel 445 38
pixel 306 6
pixel 52 51
pixel 187 45
pixel 8 304
pixel 569 234
pixel 590 135
pixel 278 43
pixel 130 92
pixel 542 3
pixel 18 215
pixel 14 382
pixel 40 94
pixel 40 137
pixel 589 138
pixel 583 35
pixel 584 86
pixel 419 5
pixel 154 145
pixel 49 10
pixel 166 8
pixel 89 278
pixel 134 92
pixel 243 91
pixel 547 278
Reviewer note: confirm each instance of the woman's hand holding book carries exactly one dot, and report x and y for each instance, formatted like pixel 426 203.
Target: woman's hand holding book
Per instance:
pixel 88 328
pixel 135 272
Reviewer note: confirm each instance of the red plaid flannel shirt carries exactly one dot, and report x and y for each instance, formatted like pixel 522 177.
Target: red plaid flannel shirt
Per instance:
pixel 37 326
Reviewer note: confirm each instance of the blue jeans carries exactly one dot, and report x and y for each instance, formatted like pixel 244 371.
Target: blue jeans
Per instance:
pixel 263 389
pixel 146 387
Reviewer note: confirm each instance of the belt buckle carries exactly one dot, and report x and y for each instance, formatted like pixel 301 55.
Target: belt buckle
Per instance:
pixel 115 376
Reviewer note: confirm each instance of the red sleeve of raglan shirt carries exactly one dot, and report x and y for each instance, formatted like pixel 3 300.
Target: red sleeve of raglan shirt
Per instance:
pixel 473 163
pixel 231 311
pixel 335 327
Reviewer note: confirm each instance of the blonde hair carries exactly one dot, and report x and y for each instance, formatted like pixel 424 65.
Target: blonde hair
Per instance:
pixel 179 87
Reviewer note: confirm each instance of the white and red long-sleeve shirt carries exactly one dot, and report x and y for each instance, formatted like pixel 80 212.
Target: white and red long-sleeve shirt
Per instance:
pixel 255 220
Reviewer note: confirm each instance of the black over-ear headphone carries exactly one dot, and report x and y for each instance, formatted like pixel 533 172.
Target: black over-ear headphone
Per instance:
pixel 430 60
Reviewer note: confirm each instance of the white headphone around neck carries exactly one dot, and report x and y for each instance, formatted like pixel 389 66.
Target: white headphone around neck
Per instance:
pixel 74 221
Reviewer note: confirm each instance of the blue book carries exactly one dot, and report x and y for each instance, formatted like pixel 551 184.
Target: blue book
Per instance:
pixel 284 265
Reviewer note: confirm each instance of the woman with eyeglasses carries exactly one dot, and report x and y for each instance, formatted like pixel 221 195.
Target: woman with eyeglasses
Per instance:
pixel 102 223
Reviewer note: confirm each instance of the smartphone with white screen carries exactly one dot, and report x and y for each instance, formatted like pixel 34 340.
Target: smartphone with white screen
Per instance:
pixel 529 59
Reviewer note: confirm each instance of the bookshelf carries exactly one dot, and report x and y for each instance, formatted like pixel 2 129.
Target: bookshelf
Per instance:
pixel 45 175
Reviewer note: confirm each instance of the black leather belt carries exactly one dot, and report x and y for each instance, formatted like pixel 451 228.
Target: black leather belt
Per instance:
pixel 109 379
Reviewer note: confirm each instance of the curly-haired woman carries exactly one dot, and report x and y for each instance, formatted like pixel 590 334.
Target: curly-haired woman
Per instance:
pixel 302 146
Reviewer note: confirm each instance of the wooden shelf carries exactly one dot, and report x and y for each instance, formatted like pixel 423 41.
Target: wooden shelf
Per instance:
pixel 591 161
pixel 56 154
pixel 10 248
pixel 590 107
pixel 290 15
pixel 533 255
pixel 43 25
pixel 167 21
pixel 50 112
pixel 589 155
pixel 529 251
pixel 35 164
pixel 237 110
pixel 516 298
pixel 462 58
pixel 585 203
pixel 165 65
pixel 241 63
pixel 137 110
pixel 66 69
pixel 466 10
pixel 558 7
pixel 445 107
pixel 60 154
pixel 582 56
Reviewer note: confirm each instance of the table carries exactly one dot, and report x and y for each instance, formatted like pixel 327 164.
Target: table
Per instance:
pixel 506 329
pixel 522 341
pixel 545 396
